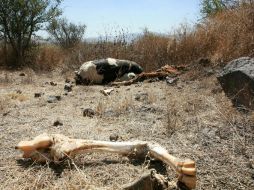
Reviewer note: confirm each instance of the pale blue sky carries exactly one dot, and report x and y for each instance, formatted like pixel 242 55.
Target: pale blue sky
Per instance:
pixel 132 15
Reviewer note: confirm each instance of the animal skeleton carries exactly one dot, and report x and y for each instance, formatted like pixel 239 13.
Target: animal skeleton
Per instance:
pixel 56 147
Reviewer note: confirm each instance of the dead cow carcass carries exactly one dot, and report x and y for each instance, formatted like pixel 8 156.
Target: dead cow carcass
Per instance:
pixel 103 71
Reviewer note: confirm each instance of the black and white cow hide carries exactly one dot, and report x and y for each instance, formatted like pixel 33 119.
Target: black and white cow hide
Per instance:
pixel 103 71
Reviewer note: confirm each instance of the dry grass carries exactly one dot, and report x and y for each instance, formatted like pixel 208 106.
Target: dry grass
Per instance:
pixel 221 137
pixel 187 119
pixel 18 96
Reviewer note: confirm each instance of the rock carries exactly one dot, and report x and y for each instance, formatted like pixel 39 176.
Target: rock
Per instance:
pixel 237 81
pixel 141 97
pixel 52 83
pixel 88 112
pixel 58 122
pixel 53 99
pixel 22 74
pixel 113 137
pixel 38 94
pixel 170 80
pixel 18 91
pixel 68 87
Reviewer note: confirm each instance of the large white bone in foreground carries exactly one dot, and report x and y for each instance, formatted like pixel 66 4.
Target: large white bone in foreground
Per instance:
pixel 56 147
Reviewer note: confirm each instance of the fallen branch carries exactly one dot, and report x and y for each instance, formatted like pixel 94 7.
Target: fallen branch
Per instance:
pixel 57 147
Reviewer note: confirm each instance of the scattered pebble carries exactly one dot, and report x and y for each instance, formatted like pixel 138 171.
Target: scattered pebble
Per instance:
pixel 141 97
pixel 38 94
pixel 53 99
pixel 58 122
pixel 52 83
pixel 88 112
pixel 113 137
pixel 68 87
pixel 18 91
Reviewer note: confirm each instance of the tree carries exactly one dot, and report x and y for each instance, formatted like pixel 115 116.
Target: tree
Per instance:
pixel 20 19
pixel 211 7
pixel 66 34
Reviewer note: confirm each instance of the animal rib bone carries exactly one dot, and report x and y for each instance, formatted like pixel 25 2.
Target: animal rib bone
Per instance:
pixel 56 147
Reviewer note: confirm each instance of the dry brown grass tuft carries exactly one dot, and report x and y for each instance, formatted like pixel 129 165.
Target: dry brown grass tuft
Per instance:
pixel 18 96
pixel 4 104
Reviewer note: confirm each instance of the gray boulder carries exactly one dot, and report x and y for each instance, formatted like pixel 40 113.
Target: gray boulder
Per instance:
pixel 237 81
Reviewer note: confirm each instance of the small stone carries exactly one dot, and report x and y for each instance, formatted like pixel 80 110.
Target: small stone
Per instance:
pixel 38 94
pixel 53 99
pixel 113 137
pixel 68 87
pixel 18 91
pixel 52 83
pixel 58 122
pixel 141 97
pixel 22 74
pixel 88 112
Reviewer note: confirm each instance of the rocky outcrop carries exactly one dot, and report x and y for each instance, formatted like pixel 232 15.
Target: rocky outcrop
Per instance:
pixel 237 80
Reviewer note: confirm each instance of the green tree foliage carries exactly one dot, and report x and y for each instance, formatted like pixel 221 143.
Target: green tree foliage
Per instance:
pixel 66 34
pixel 211 7
pixel 20 19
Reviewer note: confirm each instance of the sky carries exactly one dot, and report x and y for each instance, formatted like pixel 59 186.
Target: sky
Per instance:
pixel 106 16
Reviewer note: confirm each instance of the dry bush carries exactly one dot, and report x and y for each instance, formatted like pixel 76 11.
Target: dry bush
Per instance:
pixel 225 36
pixel 48 58
pixel 222 37
pixel 151 50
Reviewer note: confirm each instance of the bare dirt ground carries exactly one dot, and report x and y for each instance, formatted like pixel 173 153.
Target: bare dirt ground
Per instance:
pixel 192 119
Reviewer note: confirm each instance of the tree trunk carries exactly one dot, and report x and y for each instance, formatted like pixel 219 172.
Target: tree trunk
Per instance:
pixel 5 50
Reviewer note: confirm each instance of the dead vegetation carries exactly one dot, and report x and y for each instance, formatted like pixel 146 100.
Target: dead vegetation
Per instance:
pixel 219 38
